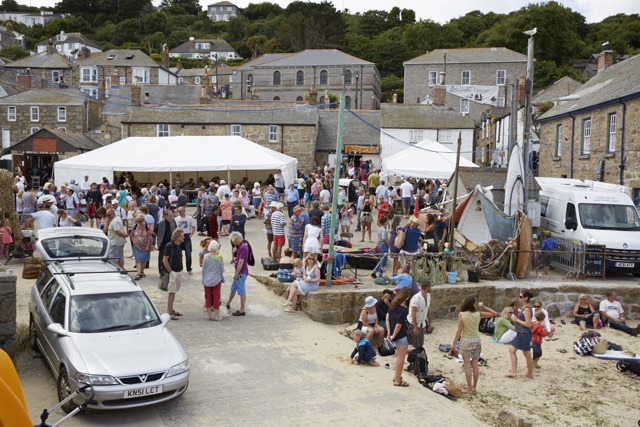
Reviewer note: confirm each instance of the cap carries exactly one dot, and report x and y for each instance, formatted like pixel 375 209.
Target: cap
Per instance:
pixel 370 301
pixel 46 186
pixel 273 204
pixel 223 182
pixel 534 236
pixel 279 206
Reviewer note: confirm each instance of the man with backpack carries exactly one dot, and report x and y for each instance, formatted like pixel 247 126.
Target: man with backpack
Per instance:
pixel 419 317
pixel 241 261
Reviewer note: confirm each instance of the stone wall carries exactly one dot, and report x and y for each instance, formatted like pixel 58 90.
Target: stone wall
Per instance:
pixel 8 314
pixel 341 304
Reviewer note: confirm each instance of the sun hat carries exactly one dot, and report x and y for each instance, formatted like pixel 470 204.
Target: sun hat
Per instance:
pixel 223 182
pixel 279 206
pixel 370 301
pixel 273 205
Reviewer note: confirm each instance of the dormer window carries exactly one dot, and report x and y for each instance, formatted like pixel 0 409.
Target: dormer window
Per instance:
pixel 111 57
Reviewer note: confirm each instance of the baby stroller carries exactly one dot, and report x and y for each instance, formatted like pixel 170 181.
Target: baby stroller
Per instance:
pixel 22 249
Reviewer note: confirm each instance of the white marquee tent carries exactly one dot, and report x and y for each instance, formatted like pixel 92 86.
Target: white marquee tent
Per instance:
pixel 426 159
pixel 232 157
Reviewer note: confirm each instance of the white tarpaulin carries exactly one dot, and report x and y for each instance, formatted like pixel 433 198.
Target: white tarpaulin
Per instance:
pixel 426 159
pixel 177 154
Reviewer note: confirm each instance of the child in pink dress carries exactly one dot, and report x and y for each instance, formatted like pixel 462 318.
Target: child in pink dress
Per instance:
pixel 6 238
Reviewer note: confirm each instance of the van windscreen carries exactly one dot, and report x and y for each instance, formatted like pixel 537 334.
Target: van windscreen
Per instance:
pixel 609 217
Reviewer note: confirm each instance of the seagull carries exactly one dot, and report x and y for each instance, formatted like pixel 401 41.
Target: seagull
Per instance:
pixel 532 32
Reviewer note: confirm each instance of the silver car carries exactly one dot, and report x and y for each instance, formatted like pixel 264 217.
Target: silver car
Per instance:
pixel 94 325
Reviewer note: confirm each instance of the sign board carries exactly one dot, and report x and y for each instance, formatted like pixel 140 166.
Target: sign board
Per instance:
pixel 594 260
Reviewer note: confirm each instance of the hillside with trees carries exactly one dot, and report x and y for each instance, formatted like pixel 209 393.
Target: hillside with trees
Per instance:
pixel 387 38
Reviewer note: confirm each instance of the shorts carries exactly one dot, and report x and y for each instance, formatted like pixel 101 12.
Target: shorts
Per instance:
pixel 470 348
pixel 408 256
pixel 372 191
pixel 366 219
pixel 280 190
pixel 366 328
pixel 278 240
pixel 175 282
pixel 416 340
pixel 294 244
pixel 546 259
pixel 406 203
pixel 116 252
pixel 522 341
pixel 402 342
pixel 537 350
pixel 307 197
pixel 226 221
pixel 269 237
pixel 238 285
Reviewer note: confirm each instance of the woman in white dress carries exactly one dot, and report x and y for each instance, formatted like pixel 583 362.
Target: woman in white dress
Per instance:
pixel 309 282
pixel 313 236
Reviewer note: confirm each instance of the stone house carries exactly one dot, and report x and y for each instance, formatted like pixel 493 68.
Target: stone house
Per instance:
pixel 25 113
pixel 11 38
pixel 222 11
pixel 405 124
pixel 31 19
pixel 594 133
pixel 204 49
pixel 48 68
pixel 96 74
pixel 360 136
pixel 474 78
pixel 215 78
pixel 292 131
pixel 290 77
pixel 69 44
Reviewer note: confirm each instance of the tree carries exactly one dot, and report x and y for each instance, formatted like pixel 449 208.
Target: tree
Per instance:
pixel 264 10
pixel 408 17
pixel 473 24
pixel 191 7
pixel 256 45
pixel 156 22
pixel 236 28
pixel 132 8
pixel 126 31
pixel 153 42
pixel 13 53
pixel 311 26
pixel 372 23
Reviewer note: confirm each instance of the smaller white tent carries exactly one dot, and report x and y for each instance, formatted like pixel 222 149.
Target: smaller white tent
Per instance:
pixel 426 159
pixel 178 154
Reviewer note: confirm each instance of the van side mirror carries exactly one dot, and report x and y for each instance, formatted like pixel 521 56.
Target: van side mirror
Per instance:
pixel 571 224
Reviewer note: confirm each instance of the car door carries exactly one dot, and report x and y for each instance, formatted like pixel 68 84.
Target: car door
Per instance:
pixel 57 313
pixel 42 319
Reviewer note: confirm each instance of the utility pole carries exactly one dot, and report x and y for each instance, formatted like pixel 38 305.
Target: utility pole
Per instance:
pixel 513 121
pixel 526 135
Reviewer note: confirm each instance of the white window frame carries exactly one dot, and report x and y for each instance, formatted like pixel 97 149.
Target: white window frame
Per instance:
pixel 55 76
pixel 235 130
pixel 88 74
pixel 35 114
pixel 197 80
pixel 273 134
pixel 12 114
pixel 500 101
pixel 501 77
pixel 611 137
pixel 445 136
pixel 163 130
pixel 180 80
pixel 123 80
pixel 62 128
pixel 91 91
pixel 34 130
pixel 416 135
pixel 62 114
pixel 464 106
pixel 142 73
pixel 558 140
pixel 432 80
pixel 586 136
pixel 465 77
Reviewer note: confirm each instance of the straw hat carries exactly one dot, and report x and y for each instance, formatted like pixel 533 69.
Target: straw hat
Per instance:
pixel 279 206
pixel 273 205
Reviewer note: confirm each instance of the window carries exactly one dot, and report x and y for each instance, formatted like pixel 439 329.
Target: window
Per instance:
pixel 586 136
pixel 55 76
pixel 62 114
pixel 321 102
pixel 58 308
pixel 444 136
pixel 464 106
pixel 89 74
pixel 466 77
pixel 500 101
pixel 433 78
pixel 558 140
pixel 276 98
pixel 91 91
pixel 62 128
pixel 277 78
pixel 142 74
pixel 197 80
pixel 299 99
pixel 611 141
pixel 347 77
pixel 163 130
pixel 501 77
pixel 300 78
pixel 34 130
pixel 273 133
pixel 35 114
pixel 416 135
pixel 180 80
pixel 236 130
pixel 347 102
pixel 324 77
pixel 123 80
pixel 11 114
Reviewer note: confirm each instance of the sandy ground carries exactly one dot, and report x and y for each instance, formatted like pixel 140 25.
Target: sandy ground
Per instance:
pixel 567 390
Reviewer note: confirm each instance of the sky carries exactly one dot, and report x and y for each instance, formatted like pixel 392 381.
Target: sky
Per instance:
pixel 592 10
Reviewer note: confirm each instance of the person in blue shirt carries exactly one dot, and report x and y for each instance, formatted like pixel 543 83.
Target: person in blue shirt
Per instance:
pixel 364 353
pixel 412 241
pixel 547 247
pixel 291 195
pixel 401 279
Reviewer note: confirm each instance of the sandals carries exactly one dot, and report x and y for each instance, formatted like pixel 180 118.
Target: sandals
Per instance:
pixel 401 384
pixel 175 313
pixel 174 317
pixel 138 277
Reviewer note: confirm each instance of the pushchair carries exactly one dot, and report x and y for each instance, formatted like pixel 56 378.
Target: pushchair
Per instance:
pixel 22 249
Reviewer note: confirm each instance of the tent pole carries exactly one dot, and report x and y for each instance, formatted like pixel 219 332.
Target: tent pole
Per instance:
pixel 229 177
pixel 452 221
pixel 170 181
pixel 334 190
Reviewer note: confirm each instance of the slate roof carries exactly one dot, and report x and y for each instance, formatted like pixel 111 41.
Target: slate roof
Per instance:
pixel 121 58
pixel 418 116
pixel 8 88
pixel 223 3
pixel 54 60
pixel 608 86
pixel 71 38
pixel 311 57
pixel 195 72
pixel 468 56
pixel 267 57
pixel 218 45
pixel 45 97
pixel 563 87
pixel 78 140
pixel 119 101
pixel 363 129
pixel 217 115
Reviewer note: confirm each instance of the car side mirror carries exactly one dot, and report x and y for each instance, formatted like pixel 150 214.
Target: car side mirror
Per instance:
pixel 57 329
pixel 165 317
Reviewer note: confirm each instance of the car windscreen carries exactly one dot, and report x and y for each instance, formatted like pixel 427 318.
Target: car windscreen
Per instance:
pixel 111 312
pixel 609 217
pixel 75 247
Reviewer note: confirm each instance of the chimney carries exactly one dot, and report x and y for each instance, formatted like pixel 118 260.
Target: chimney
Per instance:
pixel 395 98
pixel 50 48
pixel 179 65
pixel 191 39
pixel 441 78
pixel 84 52
pixel 165 56
pixel 521 91
pixel 135 93
pixel 146 98
pixel 115 79
pixel 203 95
pixel 313 95
pixel 605 59
pixel 439 95
pixel 25 79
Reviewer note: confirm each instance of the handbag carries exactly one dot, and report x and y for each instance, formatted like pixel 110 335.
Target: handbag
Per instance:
pixel 387 348
pixel 164 281
pixel 399 240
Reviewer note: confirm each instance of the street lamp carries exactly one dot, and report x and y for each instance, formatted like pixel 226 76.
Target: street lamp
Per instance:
pixel 526 135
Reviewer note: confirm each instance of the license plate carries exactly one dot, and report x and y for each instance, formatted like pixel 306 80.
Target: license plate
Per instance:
pixel 141 392
pixel 625 264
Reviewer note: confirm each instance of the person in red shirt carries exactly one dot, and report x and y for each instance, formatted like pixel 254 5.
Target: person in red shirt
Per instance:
pixel 383 207
pixel 538 331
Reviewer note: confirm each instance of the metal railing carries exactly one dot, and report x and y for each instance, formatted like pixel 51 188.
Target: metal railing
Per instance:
pixel 568 255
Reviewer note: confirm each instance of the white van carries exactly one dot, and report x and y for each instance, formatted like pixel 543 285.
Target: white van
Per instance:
pixel 595 213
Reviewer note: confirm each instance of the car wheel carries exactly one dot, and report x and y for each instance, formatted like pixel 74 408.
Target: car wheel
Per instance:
pixel 64 391
pixel 33 337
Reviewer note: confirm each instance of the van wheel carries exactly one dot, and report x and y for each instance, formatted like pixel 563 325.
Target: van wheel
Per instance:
pixel 64 391
pixel 636 274
pixel 33 337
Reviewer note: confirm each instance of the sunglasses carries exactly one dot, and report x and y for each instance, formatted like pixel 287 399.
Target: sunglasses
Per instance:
pixel 521 296
pixel 537 306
